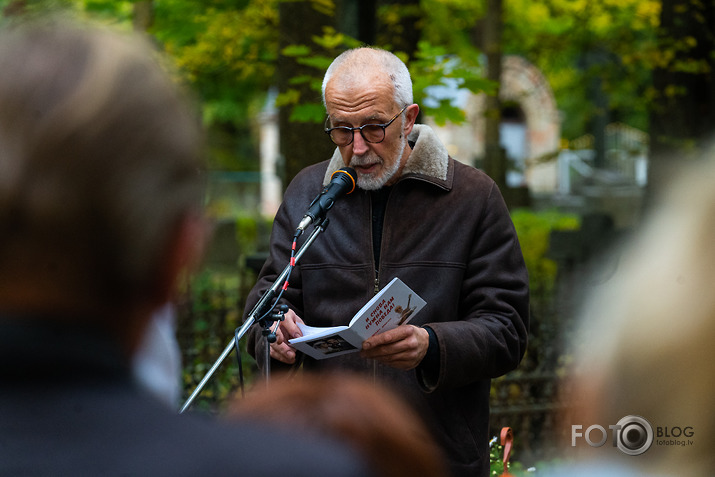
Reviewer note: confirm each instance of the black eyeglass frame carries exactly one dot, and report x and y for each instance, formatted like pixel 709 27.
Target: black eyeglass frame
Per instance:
pixel 384 126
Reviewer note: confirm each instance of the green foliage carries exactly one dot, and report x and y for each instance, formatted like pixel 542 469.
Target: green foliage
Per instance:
pixel 226 49
pixel 304 111
pixel 583 46
pixel 115 12
pixel 318 57
pixel 308 113
pixel 208 317
pixel 252 233
pixel 211 312
pixel 432 66
pixel 533 230
pixel 112 11
pixel 326 7
pixel 496 461
pixel 451 24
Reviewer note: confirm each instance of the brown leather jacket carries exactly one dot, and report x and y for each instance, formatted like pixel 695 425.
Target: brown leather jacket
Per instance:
pixel 448 235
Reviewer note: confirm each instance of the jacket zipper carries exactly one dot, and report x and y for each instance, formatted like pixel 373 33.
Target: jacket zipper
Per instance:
pixel 376 287
pixel 376 266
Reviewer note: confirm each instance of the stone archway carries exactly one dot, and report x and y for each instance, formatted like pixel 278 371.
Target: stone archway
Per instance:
pixel 523 86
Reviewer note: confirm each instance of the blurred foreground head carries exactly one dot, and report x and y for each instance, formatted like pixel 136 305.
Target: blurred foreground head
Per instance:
pixel 346 408
pixel 99 173
pixel 646 346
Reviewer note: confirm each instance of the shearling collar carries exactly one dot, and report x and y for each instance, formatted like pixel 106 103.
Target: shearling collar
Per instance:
pixel 428 160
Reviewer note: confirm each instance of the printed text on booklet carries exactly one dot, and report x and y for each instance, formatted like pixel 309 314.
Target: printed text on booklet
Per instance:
pixel 393 306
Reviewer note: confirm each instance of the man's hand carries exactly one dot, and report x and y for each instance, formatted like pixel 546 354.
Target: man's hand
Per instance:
pixel 402 348
pixel 288 329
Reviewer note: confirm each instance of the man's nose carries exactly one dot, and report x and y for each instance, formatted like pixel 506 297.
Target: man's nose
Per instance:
pixel 360 146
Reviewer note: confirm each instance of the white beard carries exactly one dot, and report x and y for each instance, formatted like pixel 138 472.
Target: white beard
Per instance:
pixel 372 181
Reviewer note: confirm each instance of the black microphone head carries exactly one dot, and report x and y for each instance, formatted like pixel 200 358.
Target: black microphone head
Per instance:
pixel 346 175
pixel 342 182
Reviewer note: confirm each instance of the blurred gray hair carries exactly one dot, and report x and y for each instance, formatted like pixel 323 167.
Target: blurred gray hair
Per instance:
pixel 645 338
pixel 99 155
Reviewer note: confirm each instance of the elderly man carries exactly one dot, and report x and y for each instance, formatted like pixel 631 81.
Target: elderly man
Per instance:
pixel 439 225
pixel 100 211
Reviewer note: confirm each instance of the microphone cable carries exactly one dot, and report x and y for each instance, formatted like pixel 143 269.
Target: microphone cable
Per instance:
pixel 275 302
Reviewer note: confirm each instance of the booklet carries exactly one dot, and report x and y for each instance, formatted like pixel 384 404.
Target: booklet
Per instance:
pixel 393 306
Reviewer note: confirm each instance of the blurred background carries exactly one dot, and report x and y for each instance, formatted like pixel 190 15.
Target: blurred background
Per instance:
pixel 580 111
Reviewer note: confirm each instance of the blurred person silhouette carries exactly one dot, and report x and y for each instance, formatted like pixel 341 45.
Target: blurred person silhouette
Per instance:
pixel 100 214
pixel 343 406
pixel 644 354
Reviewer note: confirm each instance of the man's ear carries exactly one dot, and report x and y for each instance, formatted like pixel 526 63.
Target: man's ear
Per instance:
pixel 410 117
pixel 184 253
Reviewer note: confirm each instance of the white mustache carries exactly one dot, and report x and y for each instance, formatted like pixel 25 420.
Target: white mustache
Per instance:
pixel 365 161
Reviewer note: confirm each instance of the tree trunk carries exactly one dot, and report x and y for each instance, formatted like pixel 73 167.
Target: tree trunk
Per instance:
pixel 494 156
pixel 362 19
pixel 301 144
pixel 357 18
pixel 143 16
pixel 404 35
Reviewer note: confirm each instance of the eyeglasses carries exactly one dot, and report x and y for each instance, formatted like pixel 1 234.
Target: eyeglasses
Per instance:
pixel 372 133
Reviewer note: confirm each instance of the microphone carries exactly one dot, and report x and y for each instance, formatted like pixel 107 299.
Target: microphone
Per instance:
pixel 342 182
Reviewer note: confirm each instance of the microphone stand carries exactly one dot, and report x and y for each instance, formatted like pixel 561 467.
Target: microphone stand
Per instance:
pixel 261 308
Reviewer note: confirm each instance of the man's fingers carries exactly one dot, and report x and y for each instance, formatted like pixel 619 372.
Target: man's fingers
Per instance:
pixel 287 329
pixel 283 353
pixel 400 348
pixel 392 336
pixel 279 336
pixel 288 325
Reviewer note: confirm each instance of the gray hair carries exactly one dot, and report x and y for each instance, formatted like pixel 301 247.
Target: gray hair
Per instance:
pixel 355 62
pixel 99 156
